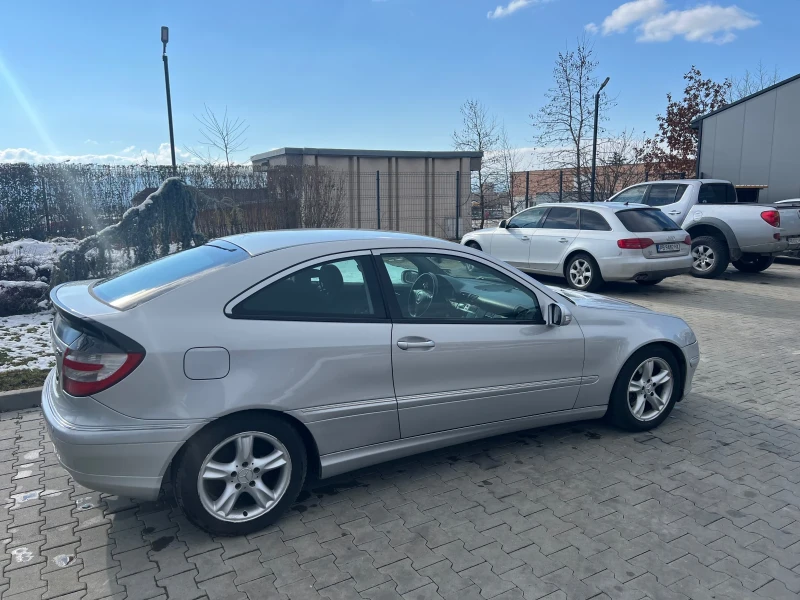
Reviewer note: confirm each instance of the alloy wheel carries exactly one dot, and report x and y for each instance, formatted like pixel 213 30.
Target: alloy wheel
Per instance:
pixel 703 258
pixel 580 273
pixel 244 476
pixel 650 389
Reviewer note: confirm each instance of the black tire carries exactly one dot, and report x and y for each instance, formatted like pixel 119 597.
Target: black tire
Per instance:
pixel 649 281
pixel 620 412
pixel 596 279
pixel 475 245
pixel 753 263
pixel 193 455
pixel 720 253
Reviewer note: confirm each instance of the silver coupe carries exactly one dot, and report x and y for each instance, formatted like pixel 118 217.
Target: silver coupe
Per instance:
pixel 238 368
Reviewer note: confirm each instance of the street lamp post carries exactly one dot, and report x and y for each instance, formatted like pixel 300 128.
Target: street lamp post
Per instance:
pixel 164 40
pixel 594 142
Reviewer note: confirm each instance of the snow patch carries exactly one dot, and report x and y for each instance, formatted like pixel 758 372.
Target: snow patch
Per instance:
pixel 25 342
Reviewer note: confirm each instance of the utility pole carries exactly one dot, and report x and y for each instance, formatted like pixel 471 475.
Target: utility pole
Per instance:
pixel 164 40
pixel 594 143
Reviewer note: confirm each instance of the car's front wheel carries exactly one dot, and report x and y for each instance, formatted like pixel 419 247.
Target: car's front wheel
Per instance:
pixel 646 389
pixel 583 274
pixel 240 474
pixel 753 263
pixel 474 245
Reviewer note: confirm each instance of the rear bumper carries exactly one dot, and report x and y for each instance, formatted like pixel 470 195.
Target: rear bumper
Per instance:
pixel 620 269
pixel 768 248
pixel 126 459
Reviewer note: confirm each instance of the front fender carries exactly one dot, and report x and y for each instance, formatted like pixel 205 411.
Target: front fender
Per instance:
pixel 723 227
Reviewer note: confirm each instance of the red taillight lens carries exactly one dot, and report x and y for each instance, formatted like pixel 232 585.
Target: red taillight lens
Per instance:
pixel 687 240
pixel 773 217
pixel 635 243
pixel 85 373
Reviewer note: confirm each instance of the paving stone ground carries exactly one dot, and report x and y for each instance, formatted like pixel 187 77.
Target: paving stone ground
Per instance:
pixel 706 506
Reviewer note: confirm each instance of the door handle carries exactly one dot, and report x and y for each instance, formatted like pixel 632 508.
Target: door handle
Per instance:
pixel 563 240
pixel 524 237
pixel 674 212
pixel 415 343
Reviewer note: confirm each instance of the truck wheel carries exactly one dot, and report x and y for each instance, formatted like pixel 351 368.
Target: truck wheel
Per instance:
pixel 710 257
pixel 753 263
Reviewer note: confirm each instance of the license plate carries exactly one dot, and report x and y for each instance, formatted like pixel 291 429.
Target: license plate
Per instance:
pixel 793 240
pixel 668 247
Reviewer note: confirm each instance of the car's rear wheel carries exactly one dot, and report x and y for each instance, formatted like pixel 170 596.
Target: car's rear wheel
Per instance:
pixel 649 281
pixel 583 274
pixel 753 263
pixel 240 474
pixel 646 389
pixel 710 257
pixel 472 244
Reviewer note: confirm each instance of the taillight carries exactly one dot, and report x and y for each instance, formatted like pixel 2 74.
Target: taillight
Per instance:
pixel 635 243
pixel 773 217
pixel 85 373
pixel 687 240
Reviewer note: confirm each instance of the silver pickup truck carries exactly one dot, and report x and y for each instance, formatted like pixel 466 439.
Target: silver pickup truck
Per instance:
pixel 723 230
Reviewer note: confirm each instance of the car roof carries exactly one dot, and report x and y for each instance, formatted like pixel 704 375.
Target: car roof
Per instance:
pixel 260 242
pixel 601 206
pixel 684 181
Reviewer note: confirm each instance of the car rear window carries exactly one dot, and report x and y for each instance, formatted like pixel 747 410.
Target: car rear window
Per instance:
pixel 147 281
pixel 716 193
pixel 643 220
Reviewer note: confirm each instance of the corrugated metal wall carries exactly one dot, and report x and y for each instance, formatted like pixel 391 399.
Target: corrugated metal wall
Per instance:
pixel 757 142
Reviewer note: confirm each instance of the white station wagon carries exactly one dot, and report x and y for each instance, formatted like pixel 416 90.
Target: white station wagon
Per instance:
pixel 590 243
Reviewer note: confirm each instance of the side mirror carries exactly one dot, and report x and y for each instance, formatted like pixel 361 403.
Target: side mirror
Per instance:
pixel 409 276
pixel 558 315
pixel 503 224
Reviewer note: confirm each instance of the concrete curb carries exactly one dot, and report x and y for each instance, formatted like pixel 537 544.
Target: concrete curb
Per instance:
pixel 19 399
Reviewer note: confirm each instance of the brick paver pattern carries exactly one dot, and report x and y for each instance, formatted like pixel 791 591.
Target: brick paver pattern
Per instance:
pixel 706 506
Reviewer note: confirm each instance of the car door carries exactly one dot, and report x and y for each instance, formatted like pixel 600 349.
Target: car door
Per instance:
pixel 669 198
pixel 512 243
pixel 315 341
pixel 551 241
pixel 470 345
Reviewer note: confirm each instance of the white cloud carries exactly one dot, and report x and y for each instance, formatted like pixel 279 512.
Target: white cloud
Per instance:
pixel 591 28
pixel 128 150
pixel 705 23
pixel 629 13
pixel 90 141
pixel 509 9
pixel 160 157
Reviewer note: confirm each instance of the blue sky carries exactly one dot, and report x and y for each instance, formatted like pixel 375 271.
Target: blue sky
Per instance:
pixel 85 79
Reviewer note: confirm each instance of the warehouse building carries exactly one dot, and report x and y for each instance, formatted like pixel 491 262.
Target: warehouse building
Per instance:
pixel 755 143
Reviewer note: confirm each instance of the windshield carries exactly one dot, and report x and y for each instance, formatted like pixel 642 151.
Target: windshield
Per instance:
pixel 646 220
pixel 143 283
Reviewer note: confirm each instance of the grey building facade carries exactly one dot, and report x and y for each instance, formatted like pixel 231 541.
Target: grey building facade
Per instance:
pixel 755 143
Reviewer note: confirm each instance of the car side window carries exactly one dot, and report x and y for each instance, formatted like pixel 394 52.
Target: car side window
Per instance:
pixel 561 217
pixel 448 288
pixel 634 194
pixel 662 194
pixel 338 289
pixel 527 219
pixel 593 221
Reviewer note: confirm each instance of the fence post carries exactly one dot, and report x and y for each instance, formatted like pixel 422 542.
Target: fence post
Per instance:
pixel 561 185
pixel 378 196
pixel 527 186
pixel 458 203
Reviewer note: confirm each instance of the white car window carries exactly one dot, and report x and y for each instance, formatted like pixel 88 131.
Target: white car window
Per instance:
pixel 527 219
pixel 634 194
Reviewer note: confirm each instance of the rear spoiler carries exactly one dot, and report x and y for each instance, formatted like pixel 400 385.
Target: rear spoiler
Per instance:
pixel 91 326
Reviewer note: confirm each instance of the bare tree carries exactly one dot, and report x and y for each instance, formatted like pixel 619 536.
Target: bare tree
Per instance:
pixel 752 82
pixel 617 167
pixel 479 133
pixel 509 161
pixel 323 197
pixel 563 126
pixel 221 137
